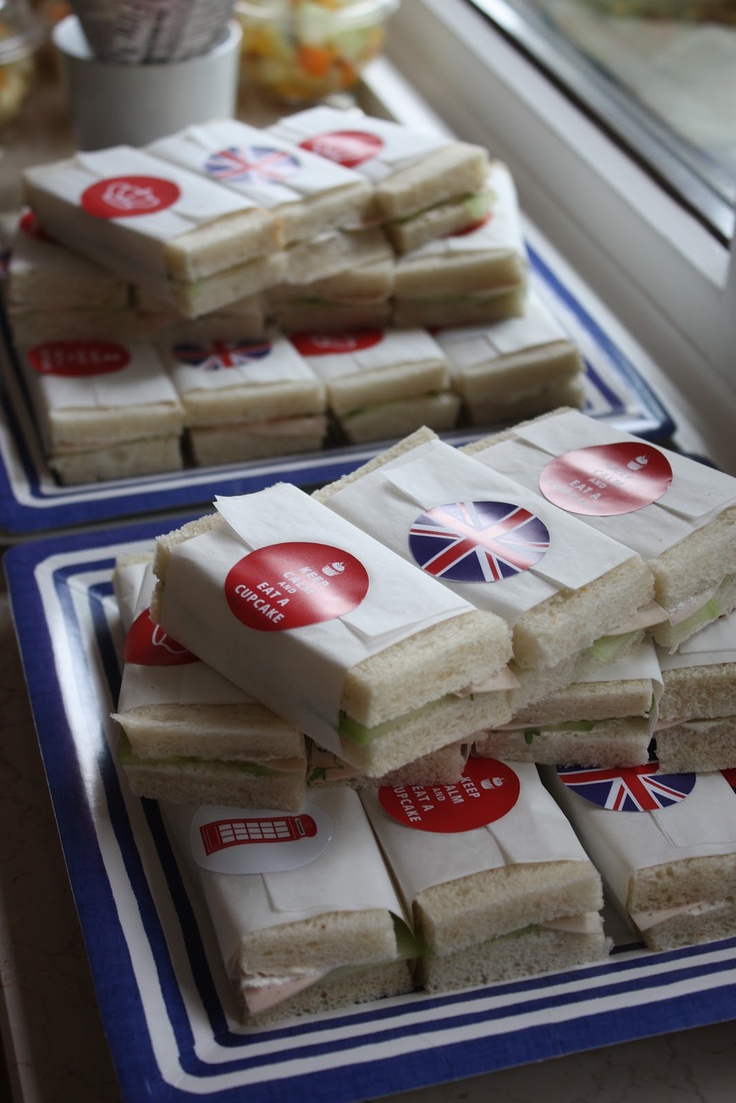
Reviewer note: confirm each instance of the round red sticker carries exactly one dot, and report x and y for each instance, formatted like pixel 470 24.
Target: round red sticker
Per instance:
pixel 78 358
pixel 607 479
pixel 146 644
pixel 329 344
pixel 291 585
pixel 346 147
pixel 129 196
pixel 487 790
pixel 31 227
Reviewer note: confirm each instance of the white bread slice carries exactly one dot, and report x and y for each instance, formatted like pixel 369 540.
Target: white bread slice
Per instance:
pixel 340 989
pixel 697 746
pixel 449 309
pixel 209 781
pixel 543 948
pixel 441 767
pixel 388 420
pixel 118 461
pixel 619 741
pixel 257 440
pixel 460 914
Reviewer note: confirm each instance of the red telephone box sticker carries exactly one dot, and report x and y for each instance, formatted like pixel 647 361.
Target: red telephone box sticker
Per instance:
pixel 291 585
pixel 73 358
pixel 330 344
pixel 487 790
pixel 146 644
pixel 608 479
pixel 346 147
pixel 258 840
pixel 129 196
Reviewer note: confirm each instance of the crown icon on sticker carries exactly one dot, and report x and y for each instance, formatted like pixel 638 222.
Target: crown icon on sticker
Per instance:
pixel 333 568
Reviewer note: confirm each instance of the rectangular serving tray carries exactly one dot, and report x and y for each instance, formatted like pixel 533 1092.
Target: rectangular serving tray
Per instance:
pixel 166 1003
pixel 32 502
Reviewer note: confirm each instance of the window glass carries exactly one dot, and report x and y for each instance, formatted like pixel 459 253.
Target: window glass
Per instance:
pixel 659 74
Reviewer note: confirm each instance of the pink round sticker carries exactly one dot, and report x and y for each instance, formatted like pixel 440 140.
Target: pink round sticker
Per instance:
pixel 291 585
pixel 487 790
pixel 607 479
pixel 129 196
pixel 78 358
pixel 346 147
pixel 329 344
pixel 146 644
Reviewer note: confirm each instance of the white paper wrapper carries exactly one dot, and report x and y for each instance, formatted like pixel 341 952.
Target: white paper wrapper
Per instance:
pixel 399 145
pixel 133 32
pixel 271 361
pixel 534 830
pixel 298 673
pixel 396 348
pixel 142 381
pixel 386 502
pixel 697 493
pixel 347 874
pixel 255 163
pixel 133 248
pixel 190 684
pixel 622 843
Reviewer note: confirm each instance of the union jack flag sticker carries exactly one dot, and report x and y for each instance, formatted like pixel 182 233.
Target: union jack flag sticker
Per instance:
pixel 630 789
pixel 219 355
pixel 252 165
pixel 477 541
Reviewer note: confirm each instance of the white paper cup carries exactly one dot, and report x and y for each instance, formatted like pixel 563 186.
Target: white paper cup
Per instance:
pixel 112 104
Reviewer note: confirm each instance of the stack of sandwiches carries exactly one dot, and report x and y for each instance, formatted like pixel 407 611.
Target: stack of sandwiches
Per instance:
pixel 104 409
pixel 329 221
pixel 303 909
pixel 382 383
pixel 493 875
pixel 361 616
pixel 369 657
pixel 186 733
pixel 246 399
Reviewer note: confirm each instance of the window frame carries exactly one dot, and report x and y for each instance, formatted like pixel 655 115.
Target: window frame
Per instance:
pixel 668 279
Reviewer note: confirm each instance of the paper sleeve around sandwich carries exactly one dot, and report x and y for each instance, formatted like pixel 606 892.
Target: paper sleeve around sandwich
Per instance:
pixel 681 522
pixel 468 886
pixel 288 905
pixel 299 669
pixel 391 499
pixel 650 860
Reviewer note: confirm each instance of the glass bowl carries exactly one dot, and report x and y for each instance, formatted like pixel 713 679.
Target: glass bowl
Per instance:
pixel 20 36
pixel 300 51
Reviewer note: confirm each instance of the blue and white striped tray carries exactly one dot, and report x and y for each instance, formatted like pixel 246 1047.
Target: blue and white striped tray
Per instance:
pixel 32 502
pixel 166 1005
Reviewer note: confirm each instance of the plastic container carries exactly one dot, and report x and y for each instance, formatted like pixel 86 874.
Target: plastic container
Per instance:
pixel 300 51
pixel 21 33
